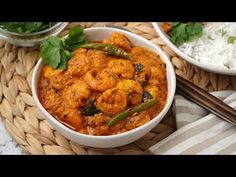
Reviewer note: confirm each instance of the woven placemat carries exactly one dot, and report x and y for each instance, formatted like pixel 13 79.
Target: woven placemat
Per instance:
pixel 34 134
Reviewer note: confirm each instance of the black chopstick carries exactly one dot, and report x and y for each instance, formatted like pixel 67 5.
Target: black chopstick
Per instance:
pixel 205 99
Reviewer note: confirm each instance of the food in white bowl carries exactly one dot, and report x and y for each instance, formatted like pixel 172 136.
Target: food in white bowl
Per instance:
pixel 104 98
pixel 210 45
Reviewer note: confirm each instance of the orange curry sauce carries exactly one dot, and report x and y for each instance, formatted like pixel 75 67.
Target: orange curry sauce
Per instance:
pixel 112 84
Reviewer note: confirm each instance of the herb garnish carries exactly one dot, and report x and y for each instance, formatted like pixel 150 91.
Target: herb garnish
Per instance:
pixel 184 32
pixel 90 109
pixel 75 39
pixel 56 51
pixel 138 67
pixel 26 27
pixel 231 39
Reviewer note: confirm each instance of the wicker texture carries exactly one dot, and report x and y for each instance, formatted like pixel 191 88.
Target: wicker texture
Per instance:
pixel 34 134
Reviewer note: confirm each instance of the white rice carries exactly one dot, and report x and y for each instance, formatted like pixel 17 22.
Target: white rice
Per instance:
pixel 7 145
pixel 213 47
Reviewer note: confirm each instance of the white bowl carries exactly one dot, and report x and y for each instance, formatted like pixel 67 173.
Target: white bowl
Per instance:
pixel 207 67
pixel 97 34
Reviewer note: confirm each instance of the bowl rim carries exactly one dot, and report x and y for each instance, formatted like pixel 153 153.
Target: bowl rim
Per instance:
pixel 57 24
pixel 191 60
pixel 123 134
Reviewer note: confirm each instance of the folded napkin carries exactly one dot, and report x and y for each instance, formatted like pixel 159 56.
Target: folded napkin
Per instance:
pixel 198 131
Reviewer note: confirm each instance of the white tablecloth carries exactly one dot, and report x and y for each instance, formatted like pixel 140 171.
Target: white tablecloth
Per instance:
pixel 7 144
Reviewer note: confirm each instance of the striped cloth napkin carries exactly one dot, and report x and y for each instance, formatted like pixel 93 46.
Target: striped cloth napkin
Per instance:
pixel 198 131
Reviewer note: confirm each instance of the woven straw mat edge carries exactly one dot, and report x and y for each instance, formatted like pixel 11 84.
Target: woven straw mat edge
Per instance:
pixel 34 134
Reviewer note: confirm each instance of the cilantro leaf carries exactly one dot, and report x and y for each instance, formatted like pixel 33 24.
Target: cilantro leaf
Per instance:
pixel 193 30
pixel 231 39
pixel 75 39
pixel 178 34
pixel 51 51
pixel 56 51
pixel 184 32
pixel 175 24
pixel 63 63
pixel 26 27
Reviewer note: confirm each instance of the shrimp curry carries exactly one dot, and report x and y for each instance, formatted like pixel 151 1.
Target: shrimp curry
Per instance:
pixel 97 86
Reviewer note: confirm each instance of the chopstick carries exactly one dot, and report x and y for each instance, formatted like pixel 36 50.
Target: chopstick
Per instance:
pixel 206 100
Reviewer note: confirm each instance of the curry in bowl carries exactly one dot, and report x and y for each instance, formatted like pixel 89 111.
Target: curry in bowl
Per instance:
pixel 107 88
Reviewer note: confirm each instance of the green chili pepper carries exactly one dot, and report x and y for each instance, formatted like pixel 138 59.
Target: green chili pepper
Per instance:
pixel 109 49
pixel 149 103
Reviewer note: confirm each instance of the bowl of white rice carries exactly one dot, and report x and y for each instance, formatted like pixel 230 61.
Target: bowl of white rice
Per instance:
pixel 214 50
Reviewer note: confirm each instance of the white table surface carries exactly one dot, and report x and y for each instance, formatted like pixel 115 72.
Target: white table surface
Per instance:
pixel 7 144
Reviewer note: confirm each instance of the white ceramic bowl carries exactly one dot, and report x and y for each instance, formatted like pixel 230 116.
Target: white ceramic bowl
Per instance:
pixel 97 34
pixel 207 67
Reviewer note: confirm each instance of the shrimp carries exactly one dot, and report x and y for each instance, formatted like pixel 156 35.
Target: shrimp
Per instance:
pixel 143 55
pixel 117 127
pixel 119 40
pixel 146 57
pixel 153 90
pixel 54 104
pixel 79 64
pixel 112 101
pixel 155 75
pixel 52 101
pixel 56 78
pixel 98 58
pixel 97 124
pixel 141 77
pixel 136 121
pixel 100 80
pixel 123 68
pixel 73 117
pixel 132 89
pixel 76 94
pixel 98 120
